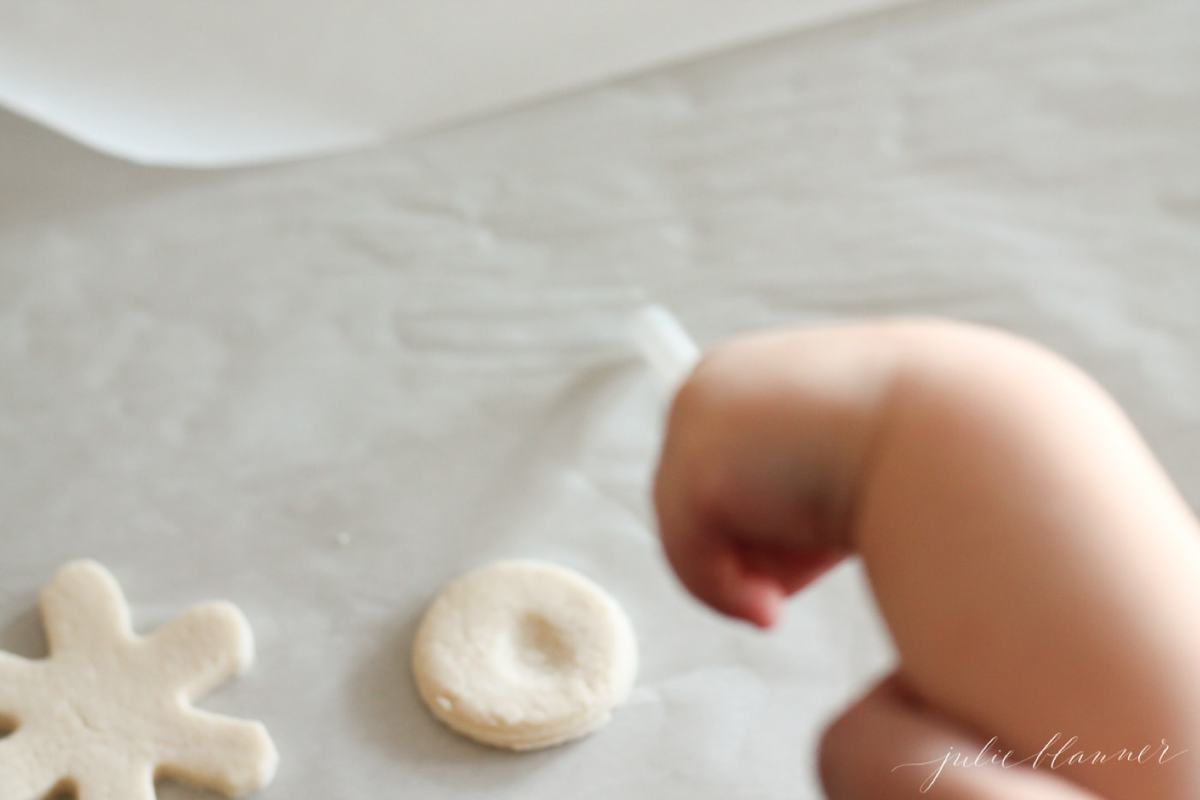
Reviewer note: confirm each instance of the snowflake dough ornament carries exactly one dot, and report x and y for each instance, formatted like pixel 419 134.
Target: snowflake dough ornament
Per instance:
pixel 109 711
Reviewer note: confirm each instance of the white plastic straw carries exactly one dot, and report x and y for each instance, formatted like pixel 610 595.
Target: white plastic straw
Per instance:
pixel 665 345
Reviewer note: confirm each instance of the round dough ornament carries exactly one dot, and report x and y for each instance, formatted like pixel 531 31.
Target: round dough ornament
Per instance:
pixel 523 655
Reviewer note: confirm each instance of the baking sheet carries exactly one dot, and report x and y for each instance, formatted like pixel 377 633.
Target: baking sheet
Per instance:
pixel 207 84
pixel 210 381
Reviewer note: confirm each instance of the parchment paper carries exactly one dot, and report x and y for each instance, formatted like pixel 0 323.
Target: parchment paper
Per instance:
pixel 219 83
pixel 205 380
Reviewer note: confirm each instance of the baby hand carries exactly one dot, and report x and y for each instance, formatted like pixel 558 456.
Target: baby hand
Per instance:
pixel 1037 570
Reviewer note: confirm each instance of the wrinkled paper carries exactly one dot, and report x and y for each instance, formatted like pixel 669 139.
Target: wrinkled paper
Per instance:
pixel 323 389
pixel 213 84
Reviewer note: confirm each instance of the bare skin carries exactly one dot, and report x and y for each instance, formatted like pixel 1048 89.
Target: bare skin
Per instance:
pixel 1038 571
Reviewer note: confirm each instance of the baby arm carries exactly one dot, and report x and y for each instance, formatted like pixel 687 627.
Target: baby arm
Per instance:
pixel 1037 570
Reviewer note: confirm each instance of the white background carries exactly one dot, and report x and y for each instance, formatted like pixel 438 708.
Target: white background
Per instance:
pixel 207 377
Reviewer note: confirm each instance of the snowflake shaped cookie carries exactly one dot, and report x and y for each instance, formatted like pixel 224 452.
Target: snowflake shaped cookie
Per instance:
pixel 109 711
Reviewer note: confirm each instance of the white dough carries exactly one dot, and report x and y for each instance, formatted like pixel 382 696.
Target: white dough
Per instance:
pixel 524 654
pixel 109 711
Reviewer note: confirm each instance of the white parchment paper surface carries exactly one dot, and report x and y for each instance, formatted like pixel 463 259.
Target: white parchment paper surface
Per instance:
pixel 322 389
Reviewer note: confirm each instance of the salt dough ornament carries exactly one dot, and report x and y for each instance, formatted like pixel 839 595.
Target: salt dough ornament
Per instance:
pixel 523 655
pixel 110 711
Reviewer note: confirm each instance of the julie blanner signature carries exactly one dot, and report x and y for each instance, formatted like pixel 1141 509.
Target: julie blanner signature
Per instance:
pixel 1058 752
